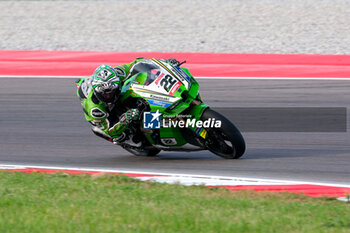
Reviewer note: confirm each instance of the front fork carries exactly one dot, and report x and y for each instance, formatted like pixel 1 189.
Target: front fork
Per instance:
pixel 196 110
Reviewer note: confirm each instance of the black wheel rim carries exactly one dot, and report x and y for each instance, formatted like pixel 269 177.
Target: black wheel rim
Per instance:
pixel 218 142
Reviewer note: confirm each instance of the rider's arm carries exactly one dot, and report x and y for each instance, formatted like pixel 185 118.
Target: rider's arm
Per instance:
pixel 123 70
pixel 97 115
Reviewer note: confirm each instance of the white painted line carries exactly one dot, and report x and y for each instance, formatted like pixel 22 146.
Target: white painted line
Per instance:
pixel 209 78
pixel 192 180
pixel 345 199
pixel 188 179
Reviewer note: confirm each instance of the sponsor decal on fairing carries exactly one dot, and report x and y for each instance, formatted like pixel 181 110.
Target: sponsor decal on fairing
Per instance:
pixel 168 141
pixel 159 103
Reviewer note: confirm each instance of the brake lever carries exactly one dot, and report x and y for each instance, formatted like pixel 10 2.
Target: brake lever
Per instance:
pixel 181 63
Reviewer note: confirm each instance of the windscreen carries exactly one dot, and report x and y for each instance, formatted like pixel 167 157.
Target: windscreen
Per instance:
pixel 146 72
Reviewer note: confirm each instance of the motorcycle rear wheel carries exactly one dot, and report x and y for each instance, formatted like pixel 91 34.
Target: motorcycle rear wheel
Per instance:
pixel 226 141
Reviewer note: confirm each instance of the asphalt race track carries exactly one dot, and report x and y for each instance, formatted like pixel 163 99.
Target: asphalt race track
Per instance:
pixel 42 123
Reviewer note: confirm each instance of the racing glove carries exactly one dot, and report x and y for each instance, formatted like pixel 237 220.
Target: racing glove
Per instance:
pixel 130 115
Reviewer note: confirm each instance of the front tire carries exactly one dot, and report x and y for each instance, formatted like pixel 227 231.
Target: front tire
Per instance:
pixel 227 141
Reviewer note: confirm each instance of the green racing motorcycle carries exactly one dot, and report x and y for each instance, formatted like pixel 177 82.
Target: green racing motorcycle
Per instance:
pixel 174 117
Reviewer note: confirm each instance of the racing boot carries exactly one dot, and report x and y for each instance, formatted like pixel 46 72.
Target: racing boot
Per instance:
pixel 133 140
pixel 130 140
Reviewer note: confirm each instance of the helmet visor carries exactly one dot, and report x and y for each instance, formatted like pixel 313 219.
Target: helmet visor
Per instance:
pixel 107 96
pixel 107 92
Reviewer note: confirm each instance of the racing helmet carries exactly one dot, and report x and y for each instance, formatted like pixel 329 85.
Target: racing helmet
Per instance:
pixel 106 84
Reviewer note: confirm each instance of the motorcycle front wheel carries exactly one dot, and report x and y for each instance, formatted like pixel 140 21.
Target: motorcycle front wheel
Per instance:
pixel 226 141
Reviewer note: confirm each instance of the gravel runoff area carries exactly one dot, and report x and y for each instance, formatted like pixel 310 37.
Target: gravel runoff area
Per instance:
pixel 231 26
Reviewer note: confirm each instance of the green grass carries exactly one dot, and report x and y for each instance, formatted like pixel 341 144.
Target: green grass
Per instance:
pixel 82 203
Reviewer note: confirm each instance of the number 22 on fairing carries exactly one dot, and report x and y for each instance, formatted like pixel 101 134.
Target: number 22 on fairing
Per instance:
pixel 170 84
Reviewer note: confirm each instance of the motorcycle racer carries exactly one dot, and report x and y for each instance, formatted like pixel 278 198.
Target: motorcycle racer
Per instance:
pixel 114 98
pixel 99 95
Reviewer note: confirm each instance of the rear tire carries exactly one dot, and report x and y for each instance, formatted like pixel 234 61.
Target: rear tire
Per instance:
pixel 227 141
